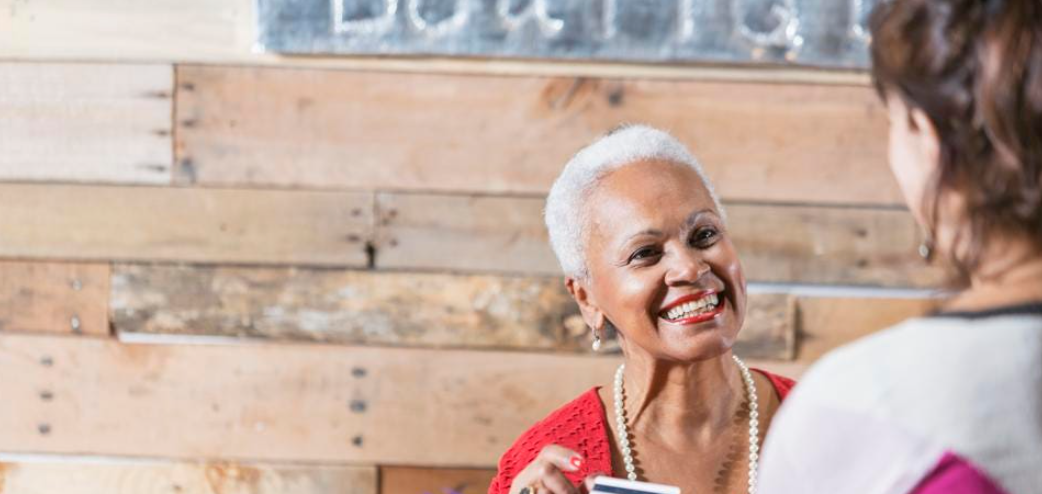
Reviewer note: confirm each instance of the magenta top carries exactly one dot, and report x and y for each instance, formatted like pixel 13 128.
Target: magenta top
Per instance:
pixel 955 475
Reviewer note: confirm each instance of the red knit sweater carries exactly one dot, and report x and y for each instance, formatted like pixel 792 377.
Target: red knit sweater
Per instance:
pixel 582 427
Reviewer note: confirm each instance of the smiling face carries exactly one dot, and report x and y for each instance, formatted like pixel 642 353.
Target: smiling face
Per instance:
pixel 661 265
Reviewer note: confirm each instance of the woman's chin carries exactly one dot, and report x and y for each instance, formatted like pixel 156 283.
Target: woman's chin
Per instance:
pixel 698 346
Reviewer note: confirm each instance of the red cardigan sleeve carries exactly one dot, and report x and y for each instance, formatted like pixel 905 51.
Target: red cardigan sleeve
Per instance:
pixel 579 426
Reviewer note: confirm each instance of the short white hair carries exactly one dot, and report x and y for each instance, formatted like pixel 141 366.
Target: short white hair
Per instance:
pixel 566 215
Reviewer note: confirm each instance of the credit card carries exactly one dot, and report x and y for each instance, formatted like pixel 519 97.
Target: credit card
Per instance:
pixel 611 485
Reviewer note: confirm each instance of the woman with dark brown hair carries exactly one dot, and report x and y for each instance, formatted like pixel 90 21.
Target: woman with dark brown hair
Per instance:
pixel 949 403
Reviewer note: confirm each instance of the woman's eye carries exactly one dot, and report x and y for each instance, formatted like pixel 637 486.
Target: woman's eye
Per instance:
pixel 643 253
pixel 705 237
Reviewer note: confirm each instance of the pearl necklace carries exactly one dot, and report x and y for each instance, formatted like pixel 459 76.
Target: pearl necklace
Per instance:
pixel 754 425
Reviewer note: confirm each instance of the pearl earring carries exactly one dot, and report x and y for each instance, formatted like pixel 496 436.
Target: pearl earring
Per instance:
pixel 926 249
pixel 596 341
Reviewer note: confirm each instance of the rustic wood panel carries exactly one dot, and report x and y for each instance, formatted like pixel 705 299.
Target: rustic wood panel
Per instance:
pixel 174 224
pixel 103 476
pixel 317 128
pixel 842 245
pixel 399 480
pixel 810 244
pixel 282 403
pixel 224 32
pixel 58 298
pixel 167 30
pixel 464 233
pixel 402 309
pixel 826 323
pixel 86 123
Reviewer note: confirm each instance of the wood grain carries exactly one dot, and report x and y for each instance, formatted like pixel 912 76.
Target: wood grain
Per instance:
pixel 399 480
pixel 159 30
pixel 191 225
pixel 54 298
pixel 275 403
pixel 830 245
pixel 380 308
pixel 320 128
pixel 86 123
pixel 110 476
pixel 829 322
pixel 463 233
pixel 777 243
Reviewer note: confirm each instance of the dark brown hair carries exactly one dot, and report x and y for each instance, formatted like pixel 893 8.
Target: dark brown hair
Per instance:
pixel 974 68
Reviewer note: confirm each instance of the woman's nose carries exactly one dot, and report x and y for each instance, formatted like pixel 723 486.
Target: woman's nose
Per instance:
pixel 686 267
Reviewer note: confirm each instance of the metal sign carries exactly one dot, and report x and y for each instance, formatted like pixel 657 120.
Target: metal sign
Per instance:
pixel 824 33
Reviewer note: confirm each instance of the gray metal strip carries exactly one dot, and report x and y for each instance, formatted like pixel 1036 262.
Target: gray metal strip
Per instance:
pixel 819 33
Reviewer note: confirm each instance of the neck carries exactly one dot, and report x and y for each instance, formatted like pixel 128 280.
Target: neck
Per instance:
pixel 676 404
pixel 1014 277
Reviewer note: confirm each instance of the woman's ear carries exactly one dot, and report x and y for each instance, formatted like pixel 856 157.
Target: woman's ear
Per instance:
pixel 926 136
pixel 591 313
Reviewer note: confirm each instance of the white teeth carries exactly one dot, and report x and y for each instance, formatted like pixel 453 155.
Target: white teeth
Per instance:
pixel 702 305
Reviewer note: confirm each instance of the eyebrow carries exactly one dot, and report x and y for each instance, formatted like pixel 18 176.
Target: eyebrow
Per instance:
pixel 649 232
pixel 693 217
pixel 688 223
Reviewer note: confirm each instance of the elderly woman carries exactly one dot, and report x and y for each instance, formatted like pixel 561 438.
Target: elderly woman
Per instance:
pixel 644 246
pixel 950 403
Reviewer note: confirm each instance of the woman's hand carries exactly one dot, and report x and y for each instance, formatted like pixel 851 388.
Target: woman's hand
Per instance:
pixel 545 475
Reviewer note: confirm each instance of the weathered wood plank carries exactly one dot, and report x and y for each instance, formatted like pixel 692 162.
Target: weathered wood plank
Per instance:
pixel 167 30
pixel 832 245
pixel 177 224
pixel 111 476
pixel 224 32
pixel 86 123
pixel 464 233
pixel 826 323
pixel 53 297
pixel 323 128
pixel 281 403
pixel 399 480
pixel 401 309
pixel 809 244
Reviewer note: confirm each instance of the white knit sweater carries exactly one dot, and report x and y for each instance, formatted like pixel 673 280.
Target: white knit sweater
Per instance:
pixel 875 416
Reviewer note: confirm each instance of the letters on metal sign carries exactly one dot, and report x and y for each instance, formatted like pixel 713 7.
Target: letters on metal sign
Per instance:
pixel 822 33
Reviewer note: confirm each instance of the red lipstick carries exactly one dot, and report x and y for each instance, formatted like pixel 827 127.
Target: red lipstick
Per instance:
pixel 697 318
pixel 703 317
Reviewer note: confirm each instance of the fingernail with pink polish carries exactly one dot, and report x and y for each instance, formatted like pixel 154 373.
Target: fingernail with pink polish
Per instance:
pixel 576 461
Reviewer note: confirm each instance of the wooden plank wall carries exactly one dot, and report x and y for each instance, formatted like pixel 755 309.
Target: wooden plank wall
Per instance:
pixel 229 272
